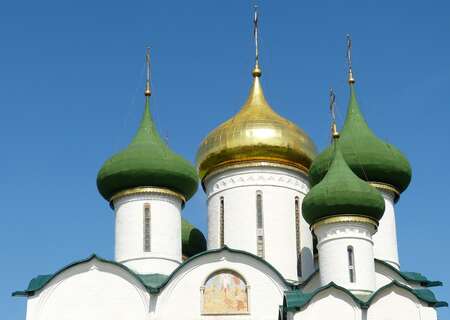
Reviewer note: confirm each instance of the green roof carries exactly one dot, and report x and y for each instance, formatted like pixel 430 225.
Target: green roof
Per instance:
pixel 341 192
pixel 149 281
pixel 409 276
pixel 147 162
pixel 192 239
pixel 369 157
pixel 153 280
pixel 414 277
pixel 153 283
pixel 297 299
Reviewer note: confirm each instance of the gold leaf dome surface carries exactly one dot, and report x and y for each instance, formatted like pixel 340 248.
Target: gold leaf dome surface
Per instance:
pixel 255 134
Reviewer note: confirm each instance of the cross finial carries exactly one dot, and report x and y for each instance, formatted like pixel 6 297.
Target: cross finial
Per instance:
pixel 256 71
pixel 351 80
pixel 334 132
pixel 148 91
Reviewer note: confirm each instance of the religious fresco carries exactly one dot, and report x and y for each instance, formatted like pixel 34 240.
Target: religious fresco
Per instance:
pixel 225 293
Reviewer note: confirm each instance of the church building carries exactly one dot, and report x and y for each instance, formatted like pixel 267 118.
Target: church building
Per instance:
pixel 292 234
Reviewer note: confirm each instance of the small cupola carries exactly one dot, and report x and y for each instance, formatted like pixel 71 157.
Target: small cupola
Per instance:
pixel 341 193
pixel 371 158
pixel 147 162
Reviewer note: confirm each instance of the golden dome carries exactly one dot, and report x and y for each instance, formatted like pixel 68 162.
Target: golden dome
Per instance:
pixel 255 134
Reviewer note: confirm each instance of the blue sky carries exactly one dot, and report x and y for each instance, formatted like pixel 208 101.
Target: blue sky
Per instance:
pixel 71 83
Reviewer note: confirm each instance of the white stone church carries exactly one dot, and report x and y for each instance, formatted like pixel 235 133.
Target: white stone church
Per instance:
pixel 291 234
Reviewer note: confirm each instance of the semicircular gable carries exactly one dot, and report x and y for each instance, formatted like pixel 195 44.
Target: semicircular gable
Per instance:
pixel 241 284
pixel 232 255
pixel 38 283
pixel 92 290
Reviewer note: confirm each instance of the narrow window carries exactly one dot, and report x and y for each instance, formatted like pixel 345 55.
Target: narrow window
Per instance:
pixel 297 236
pixel 259 225
pixel 147 247
pixel 222 222
pixel 351 264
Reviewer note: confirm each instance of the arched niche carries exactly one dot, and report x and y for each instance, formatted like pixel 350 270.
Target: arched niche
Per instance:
pixel 225 292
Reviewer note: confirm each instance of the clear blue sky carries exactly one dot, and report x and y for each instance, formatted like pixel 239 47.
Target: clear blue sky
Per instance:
pixel 71 83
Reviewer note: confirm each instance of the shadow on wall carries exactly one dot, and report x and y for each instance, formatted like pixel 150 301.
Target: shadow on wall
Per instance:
pixel 307 255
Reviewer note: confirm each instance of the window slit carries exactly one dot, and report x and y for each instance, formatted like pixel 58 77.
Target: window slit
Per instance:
pixel 222 223
pixel 351 264
pixel 147 221
pixel 297 236
pixel 259 225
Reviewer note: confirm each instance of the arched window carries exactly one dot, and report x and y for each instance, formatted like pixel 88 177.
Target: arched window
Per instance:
pixel 297 236
pixel 147 221
pixel 222 223
pixel 259 225
pixel 351 264
pixel 225 292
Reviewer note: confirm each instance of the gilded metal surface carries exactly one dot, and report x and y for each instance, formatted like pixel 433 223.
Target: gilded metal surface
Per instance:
pixel 255 133
pixel 148 190
pixel 344 218
pixel 387 187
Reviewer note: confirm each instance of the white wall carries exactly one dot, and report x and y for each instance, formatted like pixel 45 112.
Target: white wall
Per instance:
pixel 333 240
pixel 385 275
pixel 165 232
pixel 90 291
pixel 181 298
pixel 398 304
pixel 330 304
pixel 385 240
pixel 279 187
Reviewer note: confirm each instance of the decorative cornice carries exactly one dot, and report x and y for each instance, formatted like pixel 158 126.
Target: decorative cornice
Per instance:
pixel 152 190
pixel 386 187
pixel 255 162
pixel 267 177
pixel 344 218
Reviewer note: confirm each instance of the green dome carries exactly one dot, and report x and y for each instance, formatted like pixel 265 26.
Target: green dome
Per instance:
pixel 369 157
pixel 147 162
pixel 192 239
pixel 342 193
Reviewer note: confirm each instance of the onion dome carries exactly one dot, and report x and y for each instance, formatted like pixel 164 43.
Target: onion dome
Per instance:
pixel 147 162
pixel 369 157
pixel 341 193
pixel 256 133
pixel 192 239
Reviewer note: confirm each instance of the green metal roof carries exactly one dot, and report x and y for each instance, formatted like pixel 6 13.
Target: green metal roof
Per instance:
pixel 369 157
pixel 147 162
pixel 41 281
pixel 153 283
pixel 153 280
pixel 341 192
pixel 297 299
pixel 409 276
pixel 414 277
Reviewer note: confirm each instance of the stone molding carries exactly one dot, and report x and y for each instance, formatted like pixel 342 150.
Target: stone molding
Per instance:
pixel 336 231
pixel 146 196
pixel 245 177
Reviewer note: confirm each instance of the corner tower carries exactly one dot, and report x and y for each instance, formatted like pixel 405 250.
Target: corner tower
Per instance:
pixel 147 185
pixel 375 161
pixel 344 211
pixel 253 169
